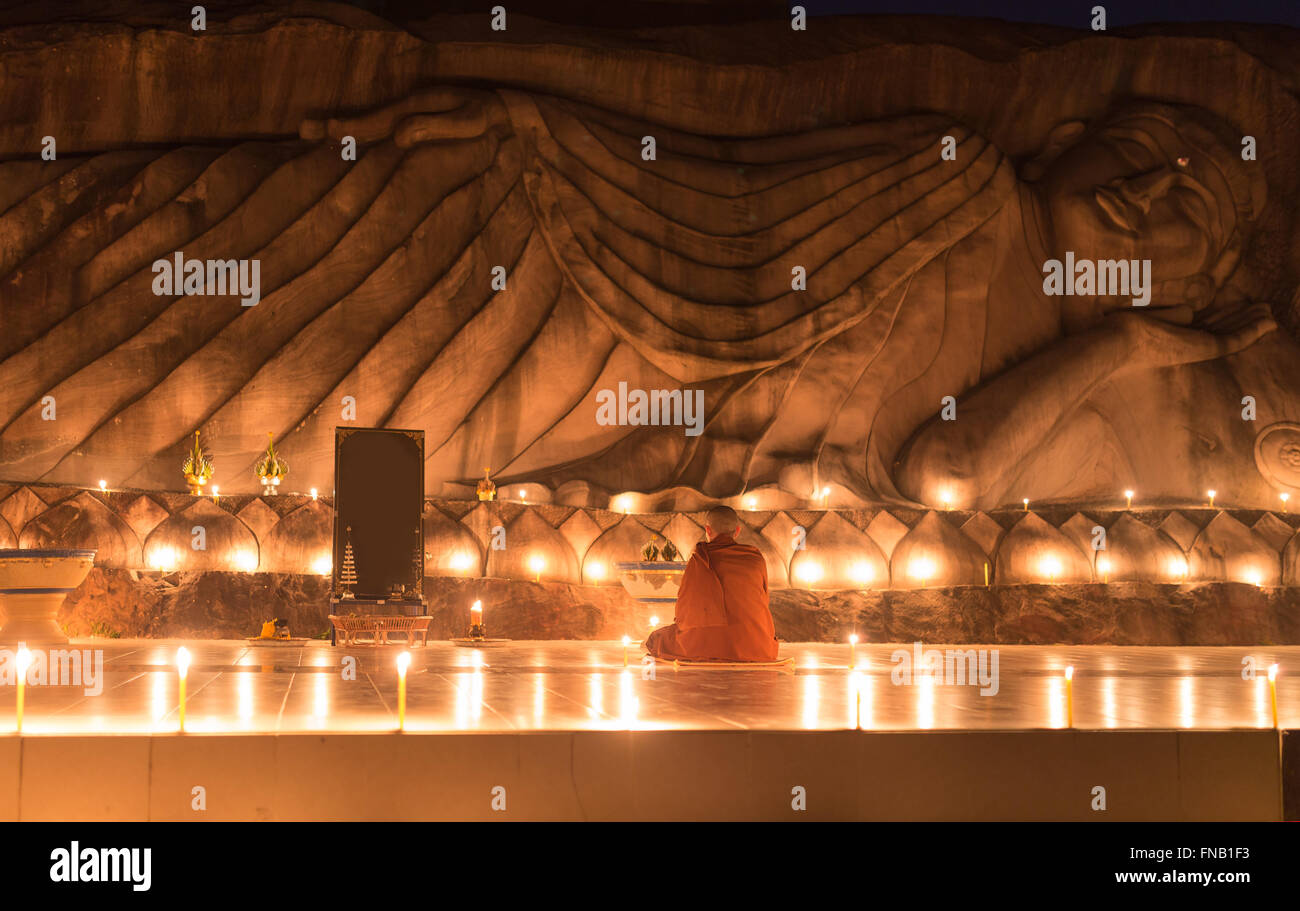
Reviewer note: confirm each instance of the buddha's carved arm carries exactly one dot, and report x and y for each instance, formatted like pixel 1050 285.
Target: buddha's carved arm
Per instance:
pixel 1003 421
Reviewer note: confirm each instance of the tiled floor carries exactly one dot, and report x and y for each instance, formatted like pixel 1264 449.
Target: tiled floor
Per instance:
pixel 233 687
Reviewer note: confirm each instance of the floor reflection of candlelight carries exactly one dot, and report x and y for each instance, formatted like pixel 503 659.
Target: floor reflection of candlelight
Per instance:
pixel 1272 690
pixel 627 640
pixel 1069 696
pixel 403 662
pixel 182 671
pixel 24 661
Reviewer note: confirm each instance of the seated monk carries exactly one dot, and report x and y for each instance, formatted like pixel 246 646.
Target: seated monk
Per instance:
pixel 722 610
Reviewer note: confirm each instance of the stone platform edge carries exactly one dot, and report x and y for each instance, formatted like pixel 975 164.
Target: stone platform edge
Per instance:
pixel 655 775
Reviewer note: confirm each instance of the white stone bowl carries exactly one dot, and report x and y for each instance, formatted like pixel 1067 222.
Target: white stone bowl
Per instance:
pixel 651 583
pixel 33 584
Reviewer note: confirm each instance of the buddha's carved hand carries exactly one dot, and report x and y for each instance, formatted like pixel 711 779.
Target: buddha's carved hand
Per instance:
pixel 1166 338
pixel 432 115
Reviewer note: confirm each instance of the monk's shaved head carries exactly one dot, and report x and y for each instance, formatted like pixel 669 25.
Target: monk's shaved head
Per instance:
pixel 721 520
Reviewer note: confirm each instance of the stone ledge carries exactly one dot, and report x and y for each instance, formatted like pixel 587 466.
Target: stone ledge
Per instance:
pixel 233 605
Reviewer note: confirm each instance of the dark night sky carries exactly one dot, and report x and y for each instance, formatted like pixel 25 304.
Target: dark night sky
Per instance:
pixel 1066 13
pixel 1077 13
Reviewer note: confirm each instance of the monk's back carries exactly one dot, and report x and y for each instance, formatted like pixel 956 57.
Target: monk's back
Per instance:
pixel 730 621
pixel 744 584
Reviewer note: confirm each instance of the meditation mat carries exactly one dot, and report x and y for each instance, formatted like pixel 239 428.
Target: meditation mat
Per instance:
pixel 785 665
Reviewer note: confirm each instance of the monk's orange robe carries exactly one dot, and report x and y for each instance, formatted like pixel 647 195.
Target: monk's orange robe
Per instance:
pixel 722 609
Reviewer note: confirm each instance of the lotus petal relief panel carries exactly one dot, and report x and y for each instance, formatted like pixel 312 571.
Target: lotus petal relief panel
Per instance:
pixel 202 537
pixel 83 522
pixel 935 553
pixel 1291 562
pixel 299 541
pixel 1034 551
pixel 1137 552
pixel 533 549
pixel 1226 550
pixel 450 549
pixel 838 555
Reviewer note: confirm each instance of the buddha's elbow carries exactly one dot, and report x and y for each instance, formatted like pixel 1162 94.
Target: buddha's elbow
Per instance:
pixel 936 468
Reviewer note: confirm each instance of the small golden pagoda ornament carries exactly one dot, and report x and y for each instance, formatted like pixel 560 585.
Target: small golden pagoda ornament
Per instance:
pixel 348 571
pixel 650 553
pixel 669 552
pixel 197 467
pixel 487 489
pixel 272 469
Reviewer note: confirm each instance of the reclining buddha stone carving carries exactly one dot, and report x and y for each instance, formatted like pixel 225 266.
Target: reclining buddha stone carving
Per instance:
pixel 923 279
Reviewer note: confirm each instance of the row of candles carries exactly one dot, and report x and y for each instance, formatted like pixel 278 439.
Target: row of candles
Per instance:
pixel 809 572
pixel 216 491
pixel 624 502
pixel 23 661
pixel 1051 568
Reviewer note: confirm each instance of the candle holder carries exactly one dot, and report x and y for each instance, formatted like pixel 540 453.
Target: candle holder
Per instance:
pixel 476 628
pixel 477 636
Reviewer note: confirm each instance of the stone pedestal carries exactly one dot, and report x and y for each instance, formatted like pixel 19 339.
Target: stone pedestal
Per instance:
pixel 33 584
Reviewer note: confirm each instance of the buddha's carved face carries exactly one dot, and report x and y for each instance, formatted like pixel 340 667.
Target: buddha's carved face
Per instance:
pixel 1134 188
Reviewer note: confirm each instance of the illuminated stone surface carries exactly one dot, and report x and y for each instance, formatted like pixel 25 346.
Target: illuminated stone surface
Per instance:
pixel 225 604
pixel 376 272
pixel 584 686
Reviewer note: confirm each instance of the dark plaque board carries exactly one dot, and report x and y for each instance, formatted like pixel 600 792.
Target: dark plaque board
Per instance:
pixel 379 494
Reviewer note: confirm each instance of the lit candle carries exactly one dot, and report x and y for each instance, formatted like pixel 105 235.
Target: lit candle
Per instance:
pixel 403 662
pixel 1284 497
pixel 627 640
pixel 1069 696
pixel 1026 502
pixel 216 493
pixel 1104 565
pixel 1210 494
pixel 654 622
pixel 24 661
pixel 476 614
pixel 853 645
pixel 986 574
pixel 1272 690
pixel 103 485
pixel 523 495
pixel 313 493
pixel 182 670
pixel 750 503
pixel 946 498
pixel 536 563
pixel 1128 499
